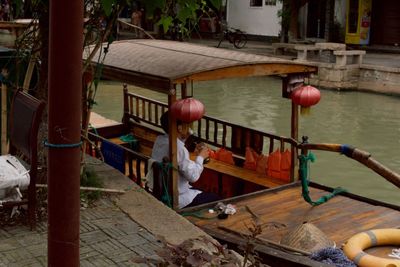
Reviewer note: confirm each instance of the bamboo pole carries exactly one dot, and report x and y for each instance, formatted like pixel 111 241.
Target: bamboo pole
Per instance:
pixel 359 155
pixel 4 149
pixel 88 188
pixel 29 71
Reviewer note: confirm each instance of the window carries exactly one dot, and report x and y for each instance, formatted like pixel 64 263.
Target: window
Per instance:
pixel 270 2
pixel 256 3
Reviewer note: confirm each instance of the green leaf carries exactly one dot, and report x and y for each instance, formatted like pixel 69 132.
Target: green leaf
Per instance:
pixel 107 6
pixel 152 5
pixel 216 3
pixel 184 13
pixel 166 22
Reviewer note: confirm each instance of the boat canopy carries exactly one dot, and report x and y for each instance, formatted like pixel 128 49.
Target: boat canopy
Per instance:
pixel 160 64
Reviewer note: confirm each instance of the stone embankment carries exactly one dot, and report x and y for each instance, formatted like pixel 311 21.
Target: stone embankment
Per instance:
pixel 339 68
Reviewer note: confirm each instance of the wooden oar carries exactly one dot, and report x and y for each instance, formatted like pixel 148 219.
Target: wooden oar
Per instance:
pixel 361 156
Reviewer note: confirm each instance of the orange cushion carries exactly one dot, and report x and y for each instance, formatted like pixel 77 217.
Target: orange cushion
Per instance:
pixel 250 159
pixel 225 156
pixel 274 164
pixel 286 162
pixel 262 164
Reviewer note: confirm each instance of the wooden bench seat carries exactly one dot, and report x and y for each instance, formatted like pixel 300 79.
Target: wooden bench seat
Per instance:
pixel 355 57
pixel 243 174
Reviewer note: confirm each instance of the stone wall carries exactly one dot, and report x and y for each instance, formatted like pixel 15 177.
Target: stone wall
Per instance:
pixel 379 79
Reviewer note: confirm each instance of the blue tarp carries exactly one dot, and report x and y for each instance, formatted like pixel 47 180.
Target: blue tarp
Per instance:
pixel 113 155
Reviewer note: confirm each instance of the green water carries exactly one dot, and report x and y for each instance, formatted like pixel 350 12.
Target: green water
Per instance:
pixel 367 121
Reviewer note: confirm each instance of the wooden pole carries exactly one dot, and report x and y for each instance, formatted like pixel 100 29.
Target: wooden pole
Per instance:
pixel 4 149
pixel 29 71
pixel 173 148
pixel 359 155
pixel 64 131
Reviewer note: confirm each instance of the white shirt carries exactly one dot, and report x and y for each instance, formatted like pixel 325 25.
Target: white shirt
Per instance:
pixel 189 171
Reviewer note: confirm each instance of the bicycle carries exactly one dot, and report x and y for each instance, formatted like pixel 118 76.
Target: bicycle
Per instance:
pixel 235 36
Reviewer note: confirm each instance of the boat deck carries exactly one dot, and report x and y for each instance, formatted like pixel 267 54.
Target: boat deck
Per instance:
pixel 340 218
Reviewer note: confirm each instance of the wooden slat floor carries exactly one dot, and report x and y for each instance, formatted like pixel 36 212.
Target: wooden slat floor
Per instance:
pixel 339 218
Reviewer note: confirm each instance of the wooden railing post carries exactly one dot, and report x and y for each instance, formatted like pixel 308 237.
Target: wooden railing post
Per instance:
pixel 126 105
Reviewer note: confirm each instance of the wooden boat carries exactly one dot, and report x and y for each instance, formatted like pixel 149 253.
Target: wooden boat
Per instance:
pixel 172 68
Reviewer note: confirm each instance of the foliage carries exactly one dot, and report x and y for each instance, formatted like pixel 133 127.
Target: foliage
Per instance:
pixel 89 178
pixel 185 254
pixel 181 14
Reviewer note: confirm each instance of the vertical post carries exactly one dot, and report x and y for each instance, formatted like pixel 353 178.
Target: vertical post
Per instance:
pixel 65 91
pixel 126 105
pixel 184 89
pixel 172 132
pixel 294 133
pixel 3 119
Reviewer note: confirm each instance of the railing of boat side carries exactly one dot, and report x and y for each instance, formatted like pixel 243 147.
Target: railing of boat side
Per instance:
pixel 213 131
pixel 137 162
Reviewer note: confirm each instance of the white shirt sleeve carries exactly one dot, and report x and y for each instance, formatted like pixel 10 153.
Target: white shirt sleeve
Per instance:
pixel 189 169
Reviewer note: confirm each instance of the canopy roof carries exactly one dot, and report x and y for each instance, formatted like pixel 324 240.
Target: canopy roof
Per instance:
pixel 158 64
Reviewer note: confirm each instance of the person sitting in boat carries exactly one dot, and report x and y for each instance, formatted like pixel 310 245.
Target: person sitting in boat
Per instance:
pixel 189 170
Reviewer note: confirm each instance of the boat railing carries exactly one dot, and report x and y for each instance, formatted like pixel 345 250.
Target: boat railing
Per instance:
pixel 359 155
pixel 135 164
pixel 213 131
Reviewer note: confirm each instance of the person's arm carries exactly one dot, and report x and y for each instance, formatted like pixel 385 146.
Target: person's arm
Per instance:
pixel 189 169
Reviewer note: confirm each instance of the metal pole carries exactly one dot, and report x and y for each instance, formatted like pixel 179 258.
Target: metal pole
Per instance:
pixel 65 89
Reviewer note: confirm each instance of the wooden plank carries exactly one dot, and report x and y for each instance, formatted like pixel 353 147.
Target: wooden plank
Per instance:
pixel 339 218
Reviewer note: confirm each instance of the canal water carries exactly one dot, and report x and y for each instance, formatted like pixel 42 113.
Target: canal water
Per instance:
pixel 370 122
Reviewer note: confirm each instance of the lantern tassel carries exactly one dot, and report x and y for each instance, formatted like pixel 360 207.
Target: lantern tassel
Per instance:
pixel 305 111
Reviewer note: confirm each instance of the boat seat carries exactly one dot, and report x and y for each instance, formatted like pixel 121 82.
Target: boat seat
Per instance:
pixel 24 119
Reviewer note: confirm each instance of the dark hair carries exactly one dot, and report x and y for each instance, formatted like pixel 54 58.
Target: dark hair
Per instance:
pixel 165 121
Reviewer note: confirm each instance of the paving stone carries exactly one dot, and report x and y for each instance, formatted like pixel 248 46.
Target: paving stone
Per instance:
pixel 38 249
pixel 86 263
pixel 149 237
pixel 87 252
pixel 9 244
pixel 107 246
pixel 113 232
pixel 4 234
pixel 16 255
pixel 133 240
pixel 29 262
pixel 120 255
pixel 93 237
pixel 31 239
pixel 86 226
pixel 101 261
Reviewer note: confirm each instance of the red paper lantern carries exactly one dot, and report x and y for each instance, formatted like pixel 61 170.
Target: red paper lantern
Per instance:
pixel 305 97
pixel 188 110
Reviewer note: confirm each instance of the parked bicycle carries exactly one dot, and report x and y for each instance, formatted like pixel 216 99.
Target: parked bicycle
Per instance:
pixel 235 36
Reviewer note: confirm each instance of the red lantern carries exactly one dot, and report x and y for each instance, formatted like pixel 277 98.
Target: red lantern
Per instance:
pixel 188 110
pixel 305 97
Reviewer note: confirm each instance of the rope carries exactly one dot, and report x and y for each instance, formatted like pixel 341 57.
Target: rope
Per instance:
pixel 303 169
pixel 50 145
pixel 332 256
pixel 165 196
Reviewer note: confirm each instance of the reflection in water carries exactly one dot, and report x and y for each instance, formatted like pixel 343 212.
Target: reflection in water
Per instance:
pixel 367 121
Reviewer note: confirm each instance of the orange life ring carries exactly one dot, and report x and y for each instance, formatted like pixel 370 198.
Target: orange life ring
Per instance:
pixel 355 246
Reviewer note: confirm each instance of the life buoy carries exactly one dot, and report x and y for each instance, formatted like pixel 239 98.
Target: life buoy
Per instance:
pixel 355 246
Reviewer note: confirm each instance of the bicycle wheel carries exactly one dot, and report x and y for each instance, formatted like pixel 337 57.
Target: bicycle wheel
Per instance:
pixel 240 40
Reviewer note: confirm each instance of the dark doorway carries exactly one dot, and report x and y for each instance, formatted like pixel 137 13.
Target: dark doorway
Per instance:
pixel 316 19
pixel 385 22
